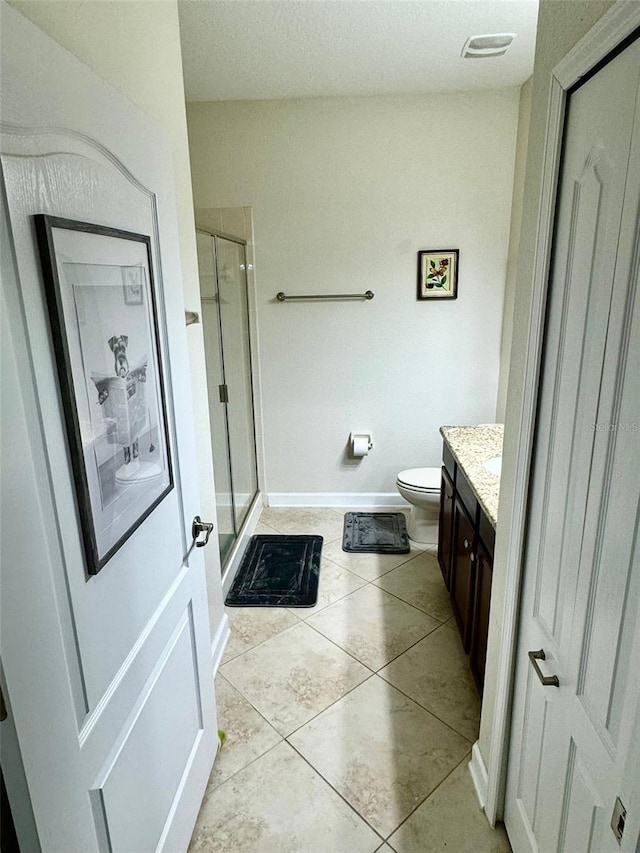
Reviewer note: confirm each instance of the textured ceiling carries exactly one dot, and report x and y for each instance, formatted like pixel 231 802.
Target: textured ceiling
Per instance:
pixel 256 49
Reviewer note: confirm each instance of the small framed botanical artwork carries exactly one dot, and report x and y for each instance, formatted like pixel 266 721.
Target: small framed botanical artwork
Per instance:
pixel 438 274
pixel 102 307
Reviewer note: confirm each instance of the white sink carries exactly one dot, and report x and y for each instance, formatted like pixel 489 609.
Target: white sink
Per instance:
pixel 494 465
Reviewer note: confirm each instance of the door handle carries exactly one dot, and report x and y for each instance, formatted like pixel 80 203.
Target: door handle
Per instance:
pixel 199 527
pixel 546 680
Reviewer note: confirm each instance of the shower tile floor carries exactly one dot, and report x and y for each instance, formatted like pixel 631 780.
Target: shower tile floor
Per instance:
pixel 349 724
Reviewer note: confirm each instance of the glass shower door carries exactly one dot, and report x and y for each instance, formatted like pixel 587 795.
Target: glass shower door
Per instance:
pixel 215 380
pixel 234 323
pixel 225 319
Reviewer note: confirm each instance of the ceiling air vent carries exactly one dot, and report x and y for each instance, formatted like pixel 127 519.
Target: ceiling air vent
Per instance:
pixel 477 47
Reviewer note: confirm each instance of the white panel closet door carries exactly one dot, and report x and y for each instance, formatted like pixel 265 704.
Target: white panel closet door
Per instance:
pixel 572 747
pixel 109 676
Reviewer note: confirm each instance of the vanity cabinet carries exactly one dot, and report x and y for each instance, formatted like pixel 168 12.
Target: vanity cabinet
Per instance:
pixel 465 554
pixel 445 527
pixel 480 620
pixel 461 572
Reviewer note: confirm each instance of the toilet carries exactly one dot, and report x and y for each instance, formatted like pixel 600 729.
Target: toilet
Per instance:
pixel 421 488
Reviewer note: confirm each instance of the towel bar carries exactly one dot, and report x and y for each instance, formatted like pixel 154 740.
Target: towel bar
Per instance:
pixel 282 297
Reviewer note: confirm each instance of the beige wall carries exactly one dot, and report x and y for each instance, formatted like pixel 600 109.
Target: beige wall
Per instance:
pixel 561 24
pixel 344 192
pixel 517 202
pixel 135 46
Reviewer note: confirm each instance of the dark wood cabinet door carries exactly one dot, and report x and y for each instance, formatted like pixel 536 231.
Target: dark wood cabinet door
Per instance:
pixel 445 530
pixel 462 572
pixel 482 600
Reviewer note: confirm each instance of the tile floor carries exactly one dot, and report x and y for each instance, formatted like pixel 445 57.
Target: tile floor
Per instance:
pixel 350 724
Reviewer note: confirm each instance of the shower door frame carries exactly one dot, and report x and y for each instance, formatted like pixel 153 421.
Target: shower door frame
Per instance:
pixel 251 514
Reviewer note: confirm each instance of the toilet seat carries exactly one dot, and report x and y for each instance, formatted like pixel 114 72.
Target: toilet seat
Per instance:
pixel 420 479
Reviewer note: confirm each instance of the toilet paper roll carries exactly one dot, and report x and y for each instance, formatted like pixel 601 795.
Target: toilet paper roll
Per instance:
pixel 359 446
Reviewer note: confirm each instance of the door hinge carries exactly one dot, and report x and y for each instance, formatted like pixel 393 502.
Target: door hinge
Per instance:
pixel 224 393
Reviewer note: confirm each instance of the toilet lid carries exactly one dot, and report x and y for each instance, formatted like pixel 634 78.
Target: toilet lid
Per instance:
pixel 424 479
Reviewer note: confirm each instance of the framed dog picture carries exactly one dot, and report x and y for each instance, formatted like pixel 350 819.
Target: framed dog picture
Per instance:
pixel 132 285
pixel 438 274
pixel 103 313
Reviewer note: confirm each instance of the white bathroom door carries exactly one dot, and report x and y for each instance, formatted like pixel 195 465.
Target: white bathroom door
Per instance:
pixel 574 747
pixel 109 677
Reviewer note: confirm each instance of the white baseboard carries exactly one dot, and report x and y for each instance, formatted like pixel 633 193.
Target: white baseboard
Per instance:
pixel 346 500
pixel 219 642
pixel 479 775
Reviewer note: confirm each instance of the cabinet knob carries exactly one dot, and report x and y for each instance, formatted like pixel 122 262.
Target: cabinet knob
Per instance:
pixel 472 557
pixel 466 544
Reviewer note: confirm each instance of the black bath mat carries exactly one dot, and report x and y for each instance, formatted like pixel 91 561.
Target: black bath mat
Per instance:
pixel 375 533
pixel 278 571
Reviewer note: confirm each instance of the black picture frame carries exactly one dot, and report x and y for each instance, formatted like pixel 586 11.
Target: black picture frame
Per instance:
pixel 108 356
pixel 438 273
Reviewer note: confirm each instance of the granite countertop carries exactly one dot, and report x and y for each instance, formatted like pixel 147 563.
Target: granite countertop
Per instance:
pixel 471 446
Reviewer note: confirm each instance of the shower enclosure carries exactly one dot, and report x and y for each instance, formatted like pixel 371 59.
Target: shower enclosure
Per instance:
pixel 225 319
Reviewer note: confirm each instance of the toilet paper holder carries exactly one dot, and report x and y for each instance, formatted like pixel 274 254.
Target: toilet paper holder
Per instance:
pixel 360 443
